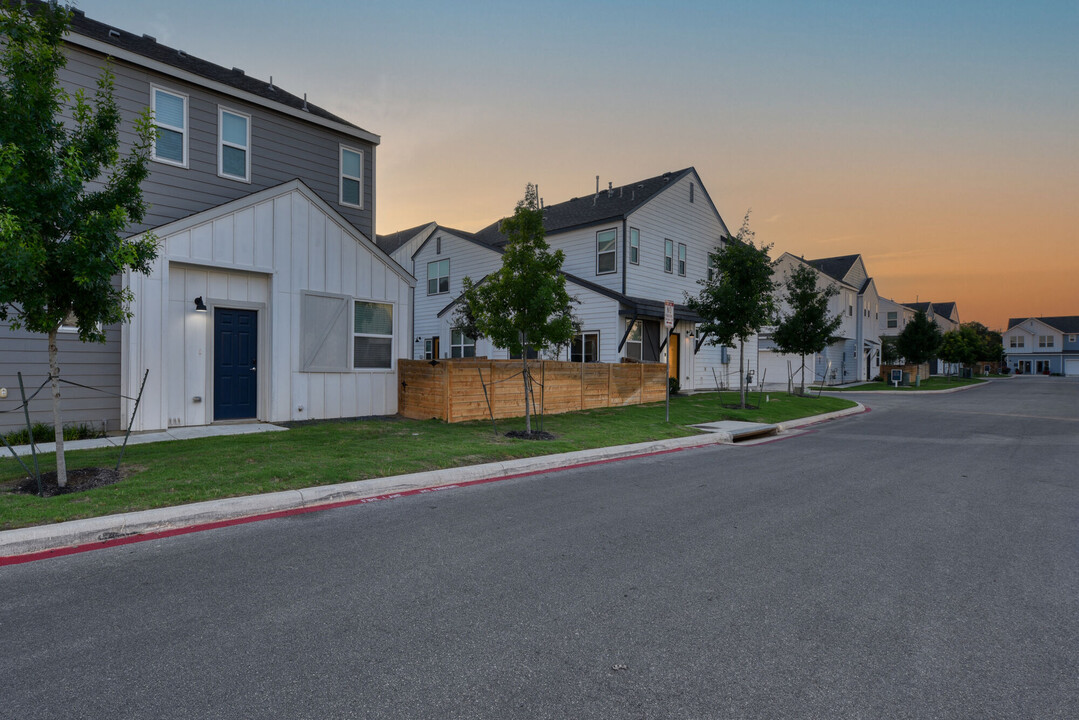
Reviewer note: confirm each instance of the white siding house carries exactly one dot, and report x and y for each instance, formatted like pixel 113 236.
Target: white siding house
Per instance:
pixel 627 250
pixel 310 282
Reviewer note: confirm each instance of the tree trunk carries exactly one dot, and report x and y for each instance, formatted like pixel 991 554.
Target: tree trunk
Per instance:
pixel 524 376
pixel 803 392
pixel 742 370
pixel 58 425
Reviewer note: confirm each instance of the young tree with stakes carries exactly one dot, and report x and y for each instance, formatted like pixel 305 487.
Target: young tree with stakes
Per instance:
pixel 522 306
pixel 66 195
pixel 807 328
pixel 737 300
pixel 920 339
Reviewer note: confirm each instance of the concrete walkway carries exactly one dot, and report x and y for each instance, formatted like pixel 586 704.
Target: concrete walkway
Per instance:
pixel 101 531
pixel 186 433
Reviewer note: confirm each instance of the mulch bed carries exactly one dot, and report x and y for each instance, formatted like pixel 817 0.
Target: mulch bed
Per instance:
pixel 534 435
pixel 78 480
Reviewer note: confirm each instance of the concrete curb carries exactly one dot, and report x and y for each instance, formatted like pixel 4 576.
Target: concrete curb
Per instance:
pixel 961 388
pixel 44 538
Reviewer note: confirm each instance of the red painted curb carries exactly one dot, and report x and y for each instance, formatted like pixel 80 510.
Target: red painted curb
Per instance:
pixel 155 535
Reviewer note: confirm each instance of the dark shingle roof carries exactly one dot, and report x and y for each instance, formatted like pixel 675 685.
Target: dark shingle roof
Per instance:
pixel 835 267
pixel 394 240
pixel 943 309
pixel 148 47
pixel 592 209
pixel 1064 323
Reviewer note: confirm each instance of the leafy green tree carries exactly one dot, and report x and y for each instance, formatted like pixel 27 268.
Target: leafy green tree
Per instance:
pixel 889 354
pixel 992 342
pixel 963 346
pixel 806 328
pixel 524 305
pixel 920 339
pixel 66 195
pixel 737 301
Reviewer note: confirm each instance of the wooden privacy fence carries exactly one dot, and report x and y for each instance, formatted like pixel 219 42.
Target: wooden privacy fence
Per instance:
pixel 452 390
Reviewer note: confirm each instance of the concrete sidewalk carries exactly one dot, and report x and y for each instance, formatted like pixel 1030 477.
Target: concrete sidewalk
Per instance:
pixel 44 538
pixel 185 433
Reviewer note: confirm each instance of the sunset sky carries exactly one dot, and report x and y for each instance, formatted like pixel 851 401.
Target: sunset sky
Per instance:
pixel 937 139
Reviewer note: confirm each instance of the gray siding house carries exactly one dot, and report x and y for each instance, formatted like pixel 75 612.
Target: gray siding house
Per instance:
pixel 627 250
pixel 269 299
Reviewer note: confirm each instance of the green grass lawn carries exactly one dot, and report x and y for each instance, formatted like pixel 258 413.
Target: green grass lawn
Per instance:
pixel 932 383
pixel 185 471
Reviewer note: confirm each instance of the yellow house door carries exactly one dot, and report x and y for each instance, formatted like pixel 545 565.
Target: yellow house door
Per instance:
pixel 672 353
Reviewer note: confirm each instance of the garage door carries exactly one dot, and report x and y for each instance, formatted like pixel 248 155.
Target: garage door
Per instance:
pixel 1071 367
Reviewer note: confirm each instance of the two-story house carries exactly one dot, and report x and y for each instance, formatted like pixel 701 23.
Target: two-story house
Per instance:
pixel 627 250
pixel 854 353
pixel 269 298
pixel 1043 345
pixel 946 316
pixel 894 317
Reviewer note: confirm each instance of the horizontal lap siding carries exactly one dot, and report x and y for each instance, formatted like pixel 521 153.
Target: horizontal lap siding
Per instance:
pixel 93 364
pixel 579 247
pixel 282 148
pixel 453 390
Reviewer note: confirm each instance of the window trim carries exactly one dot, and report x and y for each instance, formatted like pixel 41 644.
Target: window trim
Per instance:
pixel 634 246
pixel 392 336
pixel 612 252
pixel 341 177
pixel 1016 341
pixel 639 342
pixel 221 143
pixel 682 259
pixel 438 277
pixel 582 337
pixel 668 255
pixel 1046 341
pixel 892 320
pixel 183 131
pixel 462 345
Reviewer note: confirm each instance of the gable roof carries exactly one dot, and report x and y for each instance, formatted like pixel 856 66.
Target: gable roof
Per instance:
pixel 835 267
pixel 1064 323
pixel 393 241
pixel 297 185
pixel 944 309
pixel 604 206
pixel 809 263
pixel 122 44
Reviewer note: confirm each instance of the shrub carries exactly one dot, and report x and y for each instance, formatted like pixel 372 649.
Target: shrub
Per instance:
pixel 43 433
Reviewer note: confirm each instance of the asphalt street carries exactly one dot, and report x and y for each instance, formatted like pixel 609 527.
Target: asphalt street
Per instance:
pixel 918 561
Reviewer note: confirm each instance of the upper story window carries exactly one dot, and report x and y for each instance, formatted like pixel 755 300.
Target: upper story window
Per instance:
pixel 372 337
pixel 1016 341
pixel 438 245
pixel 682 259
pixel 635 246
pixel 351 177
pixel 170 118
pixel 668 256
pixel 461 345
pixel 606 251
pixel 438 277
pixel 1045 341
pixel 1071 338
pixel 691 192
pixel 893 319
pixel 234 145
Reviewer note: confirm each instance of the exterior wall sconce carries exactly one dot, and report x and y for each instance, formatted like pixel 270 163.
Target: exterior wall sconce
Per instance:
pixel 200 306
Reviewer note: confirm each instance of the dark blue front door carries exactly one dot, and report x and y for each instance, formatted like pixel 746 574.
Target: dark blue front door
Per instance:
pixel 235 352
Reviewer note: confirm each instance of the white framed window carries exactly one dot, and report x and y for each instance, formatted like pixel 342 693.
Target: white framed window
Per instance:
pixel 170 118
pixel 606 252
pixel 1016 341
pixel 713 269
pixel 351 177
pixel 428 349
pixel 585 347
pixel 635 246
pixel 893 319
pixel 233 144
pixel 1045 341
pixel 668 256
pixel 70 324
pixel 438 277
pixel 682 259
pixel 461 345
pixel 634 341
pixel 1071 338
pixel 372 335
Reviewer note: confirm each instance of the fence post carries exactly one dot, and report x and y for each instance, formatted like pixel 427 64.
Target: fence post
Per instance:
pixel 30 432
pixel 447 391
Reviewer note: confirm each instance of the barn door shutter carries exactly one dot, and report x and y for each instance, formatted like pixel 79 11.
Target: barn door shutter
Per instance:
pixel 324 333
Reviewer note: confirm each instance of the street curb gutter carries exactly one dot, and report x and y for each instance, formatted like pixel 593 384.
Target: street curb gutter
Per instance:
pixel 34 543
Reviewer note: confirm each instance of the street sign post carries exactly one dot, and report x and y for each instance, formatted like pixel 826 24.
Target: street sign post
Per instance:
pixel 668 320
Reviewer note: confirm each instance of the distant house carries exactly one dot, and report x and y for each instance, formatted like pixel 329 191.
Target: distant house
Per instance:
pixel 627 248
pixel 894 317
pixel 269 299
pixel 1043 345
pixel 946 316
pixel 854 354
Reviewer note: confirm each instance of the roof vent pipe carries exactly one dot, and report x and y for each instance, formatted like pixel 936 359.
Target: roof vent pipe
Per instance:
pixel 305 103
pixel 610 189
